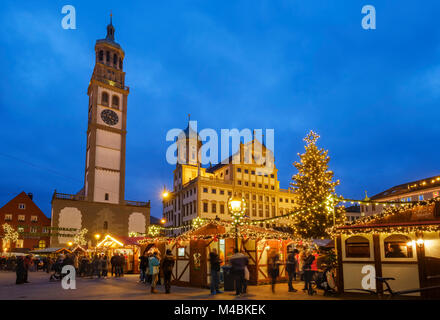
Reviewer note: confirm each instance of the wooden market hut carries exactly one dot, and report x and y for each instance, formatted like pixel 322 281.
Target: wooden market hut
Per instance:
pixel 192 248
pixel 403 243
pixel 128 246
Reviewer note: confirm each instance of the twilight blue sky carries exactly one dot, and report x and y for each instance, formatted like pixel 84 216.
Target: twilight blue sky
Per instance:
pixel 373 96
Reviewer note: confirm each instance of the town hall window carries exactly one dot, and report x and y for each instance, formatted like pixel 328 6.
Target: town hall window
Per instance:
pixel 101 55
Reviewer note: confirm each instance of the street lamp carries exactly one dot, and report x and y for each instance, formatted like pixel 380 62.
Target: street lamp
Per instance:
pixel 237 208
pixel 163 221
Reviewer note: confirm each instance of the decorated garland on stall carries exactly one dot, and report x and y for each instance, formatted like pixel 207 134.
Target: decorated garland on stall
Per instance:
pixel 386 213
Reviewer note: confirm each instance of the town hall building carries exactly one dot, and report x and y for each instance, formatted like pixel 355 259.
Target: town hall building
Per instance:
pixel 204 192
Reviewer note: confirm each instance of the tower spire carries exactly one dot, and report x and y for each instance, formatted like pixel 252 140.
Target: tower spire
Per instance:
pixel 110 29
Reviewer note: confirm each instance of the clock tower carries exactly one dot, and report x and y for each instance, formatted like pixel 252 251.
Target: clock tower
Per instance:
pixel 106 132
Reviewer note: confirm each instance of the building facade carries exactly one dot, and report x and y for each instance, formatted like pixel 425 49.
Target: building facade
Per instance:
pixel 100 206
pixel 26 218
pixel 424 189
pixel 204 192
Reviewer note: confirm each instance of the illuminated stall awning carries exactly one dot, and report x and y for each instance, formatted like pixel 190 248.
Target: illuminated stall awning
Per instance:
pixel 110 242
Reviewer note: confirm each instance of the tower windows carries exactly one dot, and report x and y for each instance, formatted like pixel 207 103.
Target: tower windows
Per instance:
pixel 107 55
pixel 104 99
pixel 105 226
pixel 115 60
pixel 101 56
pixel 120 63
pixel 115 102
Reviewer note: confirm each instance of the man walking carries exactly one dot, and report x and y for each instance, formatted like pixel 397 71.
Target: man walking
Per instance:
pixel 291 266
pixel 167 267
pixel 238 261
pixel 215 271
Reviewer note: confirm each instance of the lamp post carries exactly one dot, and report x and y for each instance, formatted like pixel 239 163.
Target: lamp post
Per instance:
pixel 237 208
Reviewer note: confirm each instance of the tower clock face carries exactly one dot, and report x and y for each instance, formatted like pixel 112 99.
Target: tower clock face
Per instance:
pixel 109 117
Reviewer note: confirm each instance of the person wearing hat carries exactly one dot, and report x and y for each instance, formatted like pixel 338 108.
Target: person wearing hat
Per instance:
pixel 167 267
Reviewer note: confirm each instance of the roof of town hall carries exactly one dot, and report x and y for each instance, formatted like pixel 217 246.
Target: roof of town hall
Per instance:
pixel 404 188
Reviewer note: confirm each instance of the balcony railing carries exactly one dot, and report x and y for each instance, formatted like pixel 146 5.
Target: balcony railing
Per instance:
pixel 66 196
pixel 76 197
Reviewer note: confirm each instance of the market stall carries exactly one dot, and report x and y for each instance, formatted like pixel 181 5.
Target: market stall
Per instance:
pixel 402 242
pixel 51 252
pixel 192 248
pixel 127 246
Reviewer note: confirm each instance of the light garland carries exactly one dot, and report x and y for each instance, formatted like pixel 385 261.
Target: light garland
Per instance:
pixel 79 238
pixel 10 235
pixel 362 224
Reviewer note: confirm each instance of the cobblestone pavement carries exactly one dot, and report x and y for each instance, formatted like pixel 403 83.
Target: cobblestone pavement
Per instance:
pixel 129 288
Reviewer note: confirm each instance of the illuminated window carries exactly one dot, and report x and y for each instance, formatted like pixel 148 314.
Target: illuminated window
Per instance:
pixel 8 217
pixel 398 246
pixel 21 218
pixel 42 244
pixel 34 218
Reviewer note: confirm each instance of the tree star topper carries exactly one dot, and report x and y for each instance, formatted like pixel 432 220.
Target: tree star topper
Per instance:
pixel 312 137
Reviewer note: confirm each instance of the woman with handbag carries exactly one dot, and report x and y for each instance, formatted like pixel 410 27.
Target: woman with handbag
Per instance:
pixel 154 264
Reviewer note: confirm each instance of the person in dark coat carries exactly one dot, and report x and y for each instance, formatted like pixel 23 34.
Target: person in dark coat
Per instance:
pixel 27 266
pixel 215 271
pixel 238 262
pixel 20 271
pixel 291 266
pixel 308 272
pixel 113 262
pixel 121 263
pixel 167 268
pixel 143 264
pixel 274 268
pixel 104 263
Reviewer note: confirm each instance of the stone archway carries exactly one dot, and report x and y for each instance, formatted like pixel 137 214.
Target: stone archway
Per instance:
pixel 69 218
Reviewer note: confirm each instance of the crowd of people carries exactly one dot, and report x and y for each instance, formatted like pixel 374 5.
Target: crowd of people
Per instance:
pixel 301 265
pixel 152 266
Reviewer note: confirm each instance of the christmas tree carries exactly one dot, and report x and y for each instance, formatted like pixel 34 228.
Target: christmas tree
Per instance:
pixel 314 188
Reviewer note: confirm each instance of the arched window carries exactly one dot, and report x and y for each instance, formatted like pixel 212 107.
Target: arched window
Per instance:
pixel 120 63
pixel 105 227
pixel 101 55
pixel 357 247
pixel 42 244
pixel 104 98
pixel 398 246
pixel 107 55
pixel 115 60
pixel 115 102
